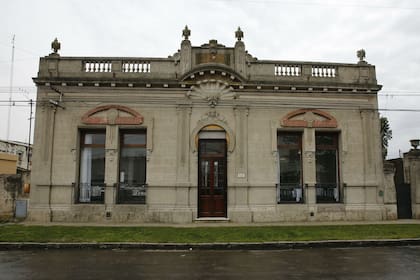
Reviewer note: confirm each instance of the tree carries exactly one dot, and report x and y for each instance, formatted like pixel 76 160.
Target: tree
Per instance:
pixel 386 135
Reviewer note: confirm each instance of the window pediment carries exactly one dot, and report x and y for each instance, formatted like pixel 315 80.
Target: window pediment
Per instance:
pixel 309 118
pixel 112 114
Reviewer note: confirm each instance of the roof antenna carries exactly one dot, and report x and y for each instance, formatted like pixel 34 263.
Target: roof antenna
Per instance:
pixel 10 89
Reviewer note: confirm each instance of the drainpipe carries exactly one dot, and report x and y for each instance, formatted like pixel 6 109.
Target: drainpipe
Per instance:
pixel 51 163
pixel 55 104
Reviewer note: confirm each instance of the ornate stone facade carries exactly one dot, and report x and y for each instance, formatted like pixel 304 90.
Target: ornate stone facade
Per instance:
pixel 210 132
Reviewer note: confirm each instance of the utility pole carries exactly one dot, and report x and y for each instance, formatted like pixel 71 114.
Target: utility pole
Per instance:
pixel 28 151
pixel 10 89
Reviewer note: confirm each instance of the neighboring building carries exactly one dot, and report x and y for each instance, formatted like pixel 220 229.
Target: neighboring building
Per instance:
pixel 8 163
pixel 15 170
pixel 14 157
pixel 407 182
pixel 210 132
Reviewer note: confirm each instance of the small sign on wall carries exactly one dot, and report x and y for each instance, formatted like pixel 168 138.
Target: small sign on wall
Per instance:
pixel 241 175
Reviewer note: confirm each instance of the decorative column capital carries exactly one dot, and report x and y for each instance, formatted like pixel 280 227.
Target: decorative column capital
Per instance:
pixel 237 109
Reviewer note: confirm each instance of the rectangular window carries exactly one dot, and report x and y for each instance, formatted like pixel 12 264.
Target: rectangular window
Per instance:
pixel 132 169
pixel 92 167
pixel 327 167
pixel 289 146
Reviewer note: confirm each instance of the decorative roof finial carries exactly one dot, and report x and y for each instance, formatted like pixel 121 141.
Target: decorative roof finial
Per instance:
pixel 361 54
pixel 186 32
pixel 239 34
pixel 55 45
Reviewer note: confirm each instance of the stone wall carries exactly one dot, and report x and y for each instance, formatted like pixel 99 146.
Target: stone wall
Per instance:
pixel 10 190
pixel 412 177
pixel 390 196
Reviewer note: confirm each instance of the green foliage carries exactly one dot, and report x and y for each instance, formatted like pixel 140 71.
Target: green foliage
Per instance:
pixel 386 135
pixel 21 233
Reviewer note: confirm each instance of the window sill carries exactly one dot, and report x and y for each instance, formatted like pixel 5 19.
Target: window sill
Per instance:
pixel 290 202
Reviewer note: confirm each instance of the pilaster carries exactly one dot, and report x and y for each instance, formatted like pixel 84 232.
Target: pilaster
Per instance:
pixel 390 196
pixel 186 52
pixel 183 154
pixel 308 165
pixel 241 153
pixel 240 55
pixel 43 136
pixel 111 163
pixel 368 149
pixel 412 176
pixel 183 143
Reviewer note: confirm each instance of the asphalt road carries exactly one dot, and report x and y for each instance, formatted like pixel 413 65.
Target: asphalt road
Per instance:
pixel 350 263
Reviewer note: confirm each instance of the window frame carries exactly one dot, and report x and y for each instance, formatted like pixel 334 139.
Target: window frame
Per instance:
pixel 83 132
pixel 336 147
pixel 299 146
pixel 141 189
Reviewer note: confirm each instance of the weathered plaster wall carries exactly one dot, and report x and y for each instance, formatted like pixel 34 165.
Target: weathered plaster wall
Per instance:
pixel 10 189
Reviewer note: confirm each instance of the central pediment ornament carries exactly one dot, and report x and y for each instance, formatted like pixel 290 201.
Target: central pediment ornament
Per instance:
pixel 212 115
pixel 212 91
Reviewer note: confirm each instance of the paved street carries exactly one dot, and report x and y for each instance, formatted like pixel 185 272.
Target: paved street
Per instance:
pixel 352 263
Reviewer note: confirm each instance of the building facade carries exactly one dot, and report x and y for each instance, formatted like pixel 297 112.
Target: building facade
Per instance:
pixel 209 133
pixel 15 157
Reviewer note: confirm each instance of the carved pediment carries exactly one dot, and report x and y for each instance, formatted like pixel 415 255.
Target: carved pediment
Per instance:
pixel 112 114
pixel 215 71
pixel 212 91
pixel 309 118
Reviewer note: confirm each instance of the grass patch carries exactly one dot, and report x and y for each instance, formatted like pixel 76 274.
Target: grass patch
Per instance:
pixel 23 233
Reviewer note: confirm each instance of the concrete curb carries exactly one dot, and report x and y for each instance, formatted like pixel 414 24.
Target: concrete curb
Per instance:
pixel 284 245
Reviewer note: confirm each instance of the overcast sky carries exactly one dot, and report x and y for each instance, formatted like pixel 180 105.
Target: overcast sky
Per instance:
pixel 307 30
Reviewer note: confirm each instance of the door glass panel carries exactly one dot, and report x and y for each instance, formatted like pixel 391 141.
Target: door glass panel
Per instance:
pixel 216 173
pixel 212 148
pixel 204 182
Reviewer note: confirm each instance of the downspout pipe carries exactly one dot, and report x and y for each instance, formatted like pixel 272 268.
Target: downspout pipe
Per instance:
pixel 51 162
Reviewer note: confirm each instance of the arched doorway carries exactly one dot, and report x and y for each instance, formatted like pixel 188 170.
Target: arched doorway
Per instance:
pixel 212 172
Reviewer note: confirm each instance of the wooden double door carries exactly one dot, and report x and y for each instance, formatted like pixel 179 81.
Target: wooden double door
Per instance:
pixel 212 178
